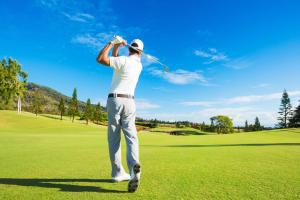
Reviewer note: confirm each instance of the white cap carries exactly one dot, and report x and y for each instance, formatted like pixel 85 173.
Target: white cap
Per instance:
pixel 140 44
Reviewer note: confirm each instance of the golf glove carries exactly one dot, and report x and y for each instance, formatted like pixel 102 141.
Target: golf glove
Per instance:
pixel 117 40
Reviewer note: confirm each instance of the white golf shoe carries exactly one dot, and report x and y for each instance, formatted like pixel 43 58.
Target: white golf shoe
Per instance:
pixel 123 177
pixel 134 182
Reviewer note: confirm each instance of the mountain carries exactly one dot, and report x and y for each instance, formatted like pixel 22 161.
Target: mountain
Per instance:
pixel 50 99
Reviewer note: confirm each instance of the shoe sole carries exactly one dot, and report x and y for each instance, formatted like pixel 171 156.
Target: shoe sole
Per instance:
pixel 118 181
pixel 133 184
pixel 121 180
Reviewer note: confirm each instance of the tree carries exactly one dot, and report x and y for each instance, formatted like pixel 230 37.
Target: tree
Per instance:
pixel 295 119
pixel 154 124
pixel 12 82
pixel 61 107
pixel 69 112
pixel 285 110
pixel 98 113
pixel 74 105
pixel 203 126
pixel 212 124
pixel 246 126
pixel 223 124
pixel 257 126
pixel 212 119
pixel 37 102
pixel 88 112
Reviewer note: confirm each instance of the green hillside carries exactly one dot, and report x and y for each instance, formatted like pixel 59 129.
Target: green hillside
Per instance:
pixel 50 99
pixel 44 158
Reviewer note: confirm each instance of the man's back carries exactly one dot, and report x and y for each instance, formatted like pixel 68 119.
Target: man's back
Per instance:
pixel 127 70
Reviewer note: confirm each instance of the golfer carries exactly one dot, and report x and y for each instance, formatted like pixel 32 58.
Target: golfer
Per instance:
pixel 121 108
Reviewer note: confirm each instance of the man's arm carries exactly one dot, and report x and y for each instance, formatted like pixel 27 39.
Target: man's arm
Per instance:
pixel 115 52
pixel 103 55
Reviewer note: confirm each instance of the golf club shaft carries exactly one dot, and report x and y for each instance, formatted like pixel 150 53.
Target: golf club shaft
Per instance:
pixel 150 57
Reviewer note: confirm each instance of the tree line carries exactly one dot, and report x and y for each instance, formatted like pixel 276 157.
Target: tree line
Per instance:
pixel 90 113
pixel 253 127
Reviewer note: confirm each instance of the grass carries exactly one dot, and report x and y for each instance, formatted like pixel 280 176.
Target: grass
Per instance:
pixel 179 131
pixel 45 158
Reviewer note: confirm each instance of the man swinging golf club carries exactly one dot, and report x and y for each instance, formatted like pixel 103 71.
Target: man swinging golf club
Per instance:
pixel 121 108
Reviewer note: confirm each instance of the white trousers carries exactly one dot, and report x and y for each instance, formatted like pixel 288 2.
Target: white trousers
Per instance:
pixel 121 115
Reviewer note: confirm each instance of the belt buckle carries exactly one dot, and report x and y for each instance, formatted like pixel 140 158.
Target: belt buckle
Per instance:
pixel 115 95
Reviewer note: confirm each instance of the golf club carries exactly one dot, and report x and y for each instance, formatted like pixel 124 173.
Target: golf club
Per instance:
pixel 148 56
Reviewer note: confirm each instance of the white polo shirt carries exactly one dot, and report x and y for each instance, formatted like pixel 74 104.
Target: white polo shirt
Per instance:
pixel 127 70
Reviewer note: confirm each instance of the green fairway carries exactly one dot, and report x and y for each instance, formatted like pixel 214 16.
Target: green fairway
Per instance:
pixel 45 158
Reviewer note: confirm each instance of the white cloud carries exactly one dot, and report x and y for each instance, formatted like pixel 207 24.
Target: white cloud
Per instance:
pixel 212 55
pixel 242 99
pixel 95 41
pixel 179 76
pixel 219 57
pixel 202 54
pixel 262 85
pixel 199 103
pixel 86 15
pixel 162 89
pixel 260 98
pixel 88 40
pixel 79 17
pixel 144 104
pixel 213 50
pixel 104 36
pixel 238 63
pixel 48 3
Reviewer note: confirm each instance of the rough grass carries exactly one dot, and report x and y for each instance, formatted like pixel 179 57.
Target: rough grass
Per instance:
pixel 45 158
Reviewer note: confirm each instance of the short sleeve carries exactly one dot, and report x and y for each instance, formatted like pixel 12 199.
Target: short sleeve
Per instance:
pixel 117 62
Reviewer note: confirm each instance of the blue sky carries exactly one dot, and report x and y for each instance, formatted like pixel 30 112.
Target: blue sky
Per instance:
pixel 225 57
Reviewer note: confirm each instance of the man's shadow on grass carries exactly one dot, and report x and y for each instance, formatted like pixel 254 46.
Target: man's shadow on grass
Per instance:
pixel 55 183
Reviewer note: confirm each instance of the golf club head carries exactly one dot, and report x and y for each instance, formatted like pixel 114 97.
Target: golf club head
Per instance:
pixel 166 69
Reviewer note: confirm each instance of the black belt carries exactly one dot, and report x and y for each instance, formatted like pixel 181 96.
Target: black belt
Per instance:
pixel 121 95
